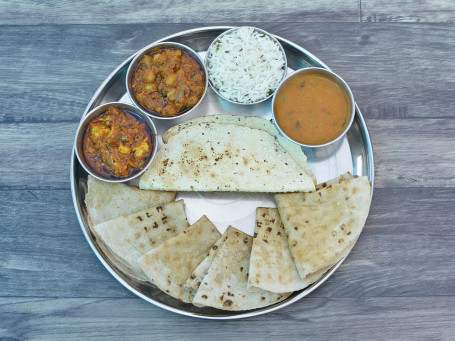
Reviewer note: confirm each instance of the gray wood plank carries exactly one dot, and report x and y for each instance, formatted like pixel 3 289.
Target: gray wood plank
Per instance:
pixel 23 12
pixel 436 11
pixel 55 70
pixel 43 251
pixel 404 251
pixel 408 153
pixel 413 88
pixel 398 282
pixel 384 318
pixel 395 71
pixel 30 159
pixel 413 154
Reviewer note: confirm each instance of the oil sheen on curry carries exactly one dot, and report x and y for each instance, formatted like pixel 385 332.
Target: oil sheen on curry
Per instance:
pixel 117 144
pixel 312 109
pixel 168 82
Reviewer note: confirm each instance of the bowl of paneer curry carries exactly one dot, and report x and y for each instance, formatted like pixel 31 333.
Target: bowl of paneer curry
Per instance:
pixel 166 80
pixel 116 142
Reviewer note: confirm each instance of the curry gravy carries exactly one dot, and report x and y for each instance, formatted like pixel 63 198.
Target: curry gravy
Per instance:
pixel 312 109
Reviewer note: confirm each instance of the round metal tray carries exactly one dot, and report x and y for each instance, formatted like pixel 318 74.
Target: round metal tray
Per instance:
pixel 352 153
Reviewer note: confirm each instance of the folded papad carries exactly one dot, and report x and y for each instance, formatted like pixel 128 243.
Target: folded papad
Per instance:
pixel 106 201
pixel 169 264
pixel 322 226
pixel 253 122
pixel 195 278
pixel 271 265
pixel 130 237
pixel 225 285
pixel 224 157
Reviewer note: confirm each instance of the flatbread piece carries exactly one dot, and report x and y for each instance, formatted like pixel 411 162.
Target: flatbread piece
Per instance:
pixel 224 157
pixel 194 280
pixel 271 266
pixel 131 236
pixel 169 264
pixel 225 285
pixel 252 122
pixel 322 226
pixel 106 201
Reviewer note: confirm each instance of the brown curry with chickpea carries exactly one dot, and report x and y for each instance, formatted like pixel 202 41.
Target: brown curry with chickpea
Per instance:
pixel 168 81
pixel 117 144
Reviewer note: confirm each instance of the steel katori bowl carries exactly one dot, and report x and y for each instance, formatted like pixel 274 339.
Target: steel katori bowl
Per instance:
pixel 79 140
pixel 335 79
pixel 359 153
pixel 156 47
pixel 219 86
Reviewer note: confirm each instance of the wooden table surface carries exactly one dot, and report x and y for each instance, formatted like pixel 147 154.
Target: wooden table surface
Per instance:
pixel 398 57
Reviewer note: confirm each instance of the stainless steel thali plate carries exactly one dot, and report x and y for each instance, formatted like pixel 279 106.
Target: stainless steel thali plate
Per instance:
pixel 352 153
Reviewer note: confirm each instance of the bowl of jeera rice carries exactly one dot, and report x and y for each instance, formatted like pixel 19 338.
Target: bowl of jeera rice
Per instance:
pixel 313 107
pixel 245 65
pixel 166 80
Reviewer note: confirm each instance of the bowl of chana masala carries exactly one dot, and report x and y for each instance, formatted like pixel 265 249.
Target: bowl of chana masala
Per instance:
pixel 116 142
pixel 313 107
pixel 166 80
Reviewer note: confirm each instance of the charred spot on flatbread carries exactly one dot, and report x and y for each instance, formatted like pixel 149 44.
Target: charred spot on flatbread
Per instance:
pixel 226 281
pixel 191 158
pixel 173 261
pixel 129 237
pixel 106 201
pixel 271 265
pixel 322 226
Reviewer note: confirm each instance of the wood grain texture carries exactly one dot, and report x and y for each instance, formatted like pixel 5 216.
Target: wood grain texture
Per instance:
pixel 55 70
pixel 395 70
pixel 35 92
pixel 43 251
pixel 36 161
pixel 411 154
pixel 398 282
pixel 435 11
pixel 403 250
pixel 66 12
pixel 385 318
pixel 407 154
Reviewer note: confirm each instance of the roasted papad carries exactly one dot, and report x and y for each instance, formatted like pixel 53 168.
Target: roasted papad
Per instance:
pixel 224 157
pixel 225 285
pixel 322 226
pixel 170 264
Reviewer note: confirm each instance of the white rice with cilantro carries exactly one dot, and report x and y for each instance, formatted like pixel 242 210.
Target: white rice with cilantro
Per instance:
pixel 245 65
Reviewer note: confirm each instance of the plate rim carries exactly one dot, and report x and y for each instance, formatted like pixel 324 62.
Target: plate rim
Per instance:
pixel 240 314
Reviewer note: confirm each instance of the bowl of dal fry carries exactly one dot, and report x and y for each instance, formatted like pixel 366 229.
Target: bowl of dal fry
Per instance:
pixel 313 107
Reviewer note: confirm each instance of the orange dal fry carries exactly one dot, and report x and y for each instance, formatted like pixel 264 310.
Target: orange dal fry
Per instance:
pixel 168 81
pixel 117 144
pixel 312 109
